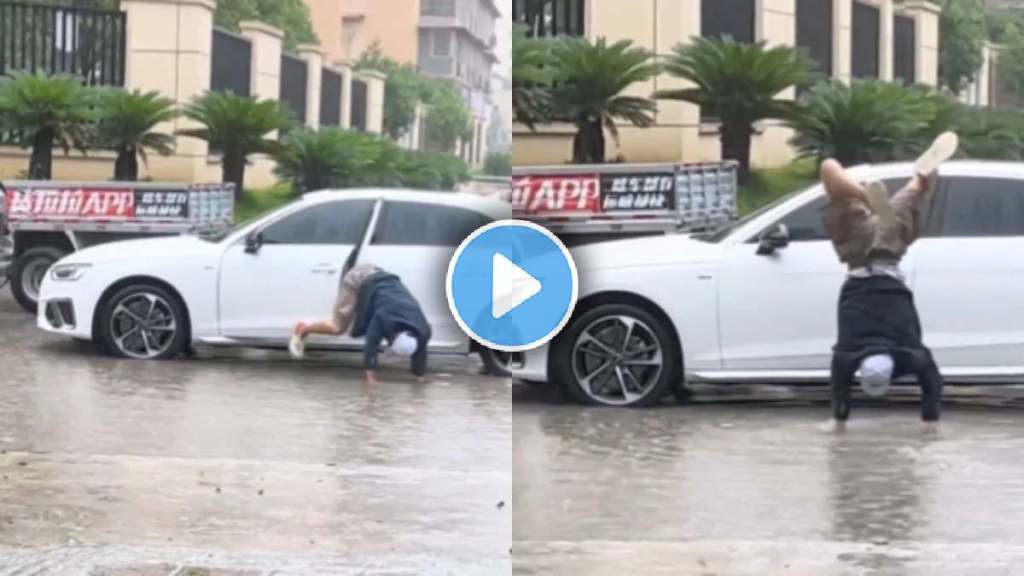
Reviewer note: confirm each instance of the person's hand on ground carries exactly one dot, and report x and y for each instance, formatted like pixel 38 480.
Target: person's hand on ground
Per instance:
pixel 371 378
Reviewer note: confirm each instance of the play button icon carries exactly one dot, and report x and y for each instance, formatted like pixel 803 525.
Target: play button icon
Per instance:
pixel 512 285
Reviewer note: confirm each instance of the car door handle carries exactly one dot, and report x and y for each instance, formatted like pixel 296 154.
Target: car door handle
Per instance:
pixel 324 270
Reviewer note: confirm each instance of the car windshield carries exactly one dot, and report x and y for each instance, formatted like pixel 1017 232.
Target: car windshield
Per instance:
pixel 716 236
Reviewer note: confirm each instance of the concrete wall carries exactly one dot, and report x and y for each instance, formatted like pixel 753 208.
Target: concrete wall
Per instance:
pixel 678 135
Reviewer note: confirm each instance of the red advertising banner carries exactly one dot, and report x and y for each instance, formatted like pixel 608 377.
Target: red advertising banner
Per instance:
pixel 70 204
pixel 578 194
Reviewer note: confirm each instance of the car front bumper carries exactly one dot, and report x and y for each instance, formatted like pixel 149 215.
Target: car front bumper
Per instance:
pixel 531 365
pixel 59 300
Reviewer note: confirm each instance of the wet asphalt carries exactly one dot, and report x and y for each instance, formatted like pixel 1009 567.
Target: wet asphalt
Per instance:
pixel 744 482
pixel 252 464
pixel 246 463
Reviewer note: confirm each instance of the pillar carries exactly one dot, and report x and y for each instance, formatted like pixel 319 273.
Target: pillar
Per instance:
pixel 347 76
pixel 314 58
pixel 374 100
pixel 926 17
pixel 169 43
pixel 842 40
pixel 266 59
pixel 776 22
pixel 886 37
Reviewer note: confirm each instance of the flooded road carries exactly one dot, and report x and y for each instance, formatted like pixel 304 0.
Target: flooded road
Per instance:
pixel 246 464
pixel 747 484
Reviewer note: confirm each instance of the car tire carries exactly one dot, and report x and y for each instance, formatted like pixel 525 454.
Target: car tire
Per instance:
pixel 639 372
pixel 27 273
pixel 143 322
pixel 495 362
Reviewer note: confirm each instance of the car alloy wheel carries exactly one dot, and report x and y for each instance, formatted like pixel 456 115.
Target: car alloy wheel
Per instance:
pixel 617 360
pixel 143 325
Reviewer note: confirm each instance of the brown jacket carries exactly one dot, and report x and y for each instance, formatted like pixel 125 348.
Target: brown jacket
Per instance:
pixel 859 235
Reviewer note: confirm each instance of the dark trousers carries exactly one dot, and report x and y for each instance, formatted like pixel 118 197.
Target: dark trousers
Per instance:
pixel 928 378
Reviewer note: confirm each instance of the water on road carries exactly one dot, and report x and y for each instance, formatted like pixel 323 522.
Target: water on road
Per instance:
pixel 245 463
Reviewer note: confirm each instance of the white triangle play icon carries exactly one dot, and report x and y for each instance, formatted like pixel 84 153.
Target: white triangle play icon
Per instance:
pixel 511 286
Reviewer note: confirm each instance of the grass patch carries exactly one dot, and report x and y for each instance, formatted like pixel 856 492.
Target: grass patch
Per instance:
pixel 255 203
pixel 768 185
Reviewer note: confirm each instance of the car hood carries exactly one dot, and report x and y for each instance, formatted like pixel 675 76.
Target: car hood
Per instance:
pixel 147 249
pixel 658 250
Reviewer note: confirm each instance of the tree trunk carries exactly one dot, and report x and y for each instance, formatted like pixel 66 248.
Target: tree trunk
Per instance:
pixel 736 146
pixel 40 166
pixel 233 171
pixel 588 146
pixel 126 167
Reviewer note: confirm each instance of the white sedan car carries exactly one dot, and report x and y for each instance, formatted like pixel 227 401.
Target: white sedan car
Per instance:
pixel 153 299
pixel 757 301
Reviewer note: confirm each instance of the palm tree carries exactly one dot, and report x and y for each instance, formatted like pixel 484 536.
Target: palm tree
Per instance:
pixel 45 111
pixel 739 84
pixel 237 126
pixel 866 121
pixel 126 123
pixel 589 83
pixel 315 160
pixel 530 98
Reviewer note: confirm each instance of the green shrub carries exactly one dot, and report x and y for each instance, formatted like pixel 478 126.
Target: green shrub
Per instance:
pixel 498 164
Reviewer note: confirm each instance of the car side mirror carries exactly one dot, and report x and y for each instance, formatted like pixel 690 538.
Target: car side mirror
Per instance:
pixel 253 242
pixel 774 238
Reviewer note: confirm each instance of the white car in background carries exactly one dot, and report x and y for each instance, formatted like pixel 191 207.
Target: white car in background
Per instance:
pixel 756 301
pixel 153 299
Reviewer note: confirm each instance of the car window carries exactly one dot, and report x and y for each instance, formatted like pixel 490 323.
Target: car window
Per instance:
pixel 342 222
pixel 422 224
pixel 975 207
pixel 806 224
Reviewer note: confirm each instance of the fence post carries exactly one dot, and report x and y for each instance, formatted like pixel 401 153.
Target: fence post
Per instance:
pixel 266 59
pixel 345 69
pixel 887 35
pixel 374 100
pixel 314 58
pixel 926 16
pixel 168 50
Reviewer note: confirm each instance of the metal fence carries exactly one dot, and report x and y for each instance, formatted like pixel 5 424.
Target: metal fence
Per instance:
pixel 551 17
pixel 359 104
pixel 330 98
pixel 293 86
pixel 231 63
pixel 866 40
pixel 814 32
pixel 733 18
pixel 905 49
pixel 89 44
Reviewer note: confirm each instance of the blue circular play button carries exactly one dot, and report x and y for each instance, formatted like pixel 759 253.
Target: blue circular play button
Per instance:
pixel 512 285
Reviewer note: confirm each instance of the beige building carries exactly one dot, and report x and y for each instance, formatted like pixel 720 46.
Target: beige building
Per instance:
pixel 452 39
pixel 847 38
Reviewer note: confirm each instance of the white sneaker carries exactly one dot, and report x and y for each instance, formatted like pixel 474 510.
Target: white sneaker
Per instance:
pixel 297 347
pixel 942 149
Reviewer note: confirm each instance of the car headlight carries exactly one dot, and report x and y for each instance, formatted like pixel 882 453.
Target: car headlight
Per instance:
pixel 68 272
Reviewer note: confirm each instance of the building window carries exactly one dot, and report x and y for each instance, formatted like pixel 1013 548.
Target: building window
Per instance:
pixel 866 41
pixel 442 44
pixel 728 18
pixel 814 32
pixel 905 49
pixel 550 17
pixel 438 8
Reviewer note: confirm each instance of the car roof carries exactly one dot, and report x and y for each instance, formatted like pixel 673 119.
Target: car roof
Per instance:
pixel 487 205
pixel 951 168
